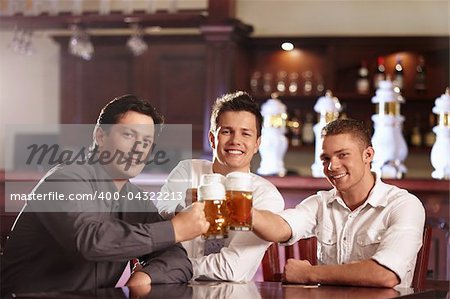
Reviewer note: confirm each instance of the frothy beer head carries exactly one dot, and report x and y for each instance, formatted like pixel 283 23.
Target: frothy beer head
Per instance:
pixel 213 191
pixel 239 181
pixel 210 178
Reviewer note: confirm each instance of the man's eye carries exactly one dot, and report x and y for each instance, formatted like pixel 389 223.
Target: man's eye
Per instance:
pixel 343 155
pixel 225 132
pixel 127 135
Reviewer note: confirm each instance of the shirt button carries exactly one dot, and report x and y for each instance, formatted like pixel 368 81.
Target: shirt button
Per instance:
pixel 378 238
pixel 345 238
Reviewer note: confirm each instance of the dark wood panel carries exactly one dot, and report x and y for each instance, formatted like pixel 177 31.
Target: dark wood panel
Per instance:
pixel 173 78
pixel 171 75
pixel 115 73
pixel 86 86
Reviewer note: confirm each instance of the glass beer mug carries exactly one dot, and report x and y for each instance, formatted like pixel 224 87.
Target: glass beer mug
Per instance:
pixel 239 189
pixel 211 178
pixel 213 195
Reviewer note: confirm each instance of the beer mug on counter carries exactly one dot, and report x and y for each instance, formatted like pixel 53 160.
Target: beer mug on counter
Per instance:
pixel 239 189
pixel 214 197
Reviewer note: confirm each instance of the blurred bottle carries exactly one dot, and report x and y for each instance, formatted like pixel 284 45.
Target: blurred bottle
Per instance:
pixel 293 83
pixel 415 138
pixel 420 81
pixel 430 137
pixel 295 129
pixel 281 82
pixel 362 84
pixel 307 82
pixel 255 82
pixel 320 87
pixel 343 113
pixel 307 129
pixel 398 76
pixel 267 83
pixel 379 73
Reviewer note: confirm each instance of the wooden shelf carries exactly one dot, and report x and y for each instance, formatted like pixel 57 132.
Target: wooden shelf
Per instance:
pixel 181 19
pixel 344 96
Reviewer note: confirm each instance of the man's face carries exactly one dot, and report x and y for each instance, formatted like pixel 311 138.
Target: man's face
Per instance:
pixel 345 162
pixel 234 142
pixel 130 140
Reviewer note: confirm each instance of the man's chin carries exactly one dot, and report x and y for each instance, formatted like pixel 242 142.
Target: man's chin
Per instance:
pixel 236 166
pixel 130 173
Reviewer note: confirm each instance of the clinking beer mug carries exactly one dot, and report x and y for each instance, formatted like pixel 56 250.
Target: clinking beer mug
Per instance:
pixel 213 195
pixel 211 178
pixel 239 191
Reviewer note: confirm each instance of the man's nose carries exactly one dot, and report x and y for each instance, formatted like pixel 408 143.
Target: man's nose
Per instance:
pixel 139 146
pixel 334 164
pixel 235 139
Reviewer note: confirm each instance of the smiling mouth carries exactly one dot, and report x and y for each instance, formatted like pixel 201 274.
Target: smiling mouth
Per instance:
pixel 338 176
pixel 234 152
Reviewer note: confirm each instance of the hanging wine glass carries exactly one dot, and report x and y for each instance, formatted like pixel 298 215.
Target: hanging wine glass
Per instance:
pixel 135 43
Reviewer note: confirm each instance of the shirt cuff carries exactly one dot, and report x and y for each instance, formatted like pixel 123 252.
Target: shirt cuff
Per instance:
pixel 290 217
pixel 395 263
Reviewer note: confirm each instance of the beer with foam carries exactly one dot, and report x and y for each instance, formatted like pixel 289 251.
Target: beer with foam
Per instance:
pixel 239 189
pixel 213 195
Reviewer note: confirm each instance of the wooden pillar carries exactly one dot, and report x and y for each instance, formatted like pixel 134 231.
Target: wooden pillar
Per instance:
pixel 224 60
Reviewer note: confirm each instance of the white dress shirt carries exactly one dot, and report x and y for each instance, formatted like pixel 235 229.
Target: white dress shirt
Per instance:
pixel 387 228
pixel 243 251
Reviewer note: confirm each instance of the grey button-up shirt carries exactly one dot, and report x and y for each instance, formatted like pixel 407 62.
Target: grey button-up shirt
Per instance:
pixel 84 244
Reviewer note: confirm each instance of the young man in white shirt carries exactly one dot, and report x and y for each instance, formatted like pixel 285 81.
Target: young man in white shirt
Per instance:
pixel 235 136
pixel 368 232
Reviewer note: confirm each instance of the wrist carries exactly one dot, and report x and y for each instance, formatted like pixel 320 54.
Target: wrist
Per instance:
pixel 312 275
pixel 176 233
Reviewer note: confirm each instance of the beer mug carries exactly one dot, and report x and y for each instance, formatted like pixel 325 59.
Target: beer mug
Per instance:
pixel 213 195
pixel 239 189
pixel 210 178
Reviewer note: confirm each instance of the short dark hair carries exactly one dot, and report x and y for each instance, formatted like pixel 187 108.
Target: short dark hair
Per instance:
pixel 112 112
pixel 354 127
pixel 116 109
pixel 236 101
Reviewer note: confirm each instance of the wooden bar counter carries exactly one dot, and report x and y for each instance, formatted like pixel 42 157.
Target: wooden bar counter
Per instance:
pixel 259 290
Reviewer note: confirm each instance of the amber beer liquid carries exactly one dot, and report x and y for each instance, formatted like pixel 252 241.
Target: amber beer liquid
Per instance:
pixel 240 209
pixel 239 201
pixel 216 215
pixel 213 195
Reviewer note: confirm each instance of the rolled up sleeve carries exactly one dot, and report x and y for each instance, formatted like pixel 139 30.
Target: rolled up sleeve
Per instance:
pixel 403 239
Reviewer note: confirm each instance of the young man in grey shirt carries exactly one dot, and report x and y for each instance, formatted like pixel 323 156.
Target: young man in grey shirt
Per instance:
pixel 78 245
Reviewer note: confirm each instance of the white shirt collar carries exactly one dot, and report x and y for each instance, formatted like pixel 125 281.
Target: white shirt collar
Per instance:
pixel 376 196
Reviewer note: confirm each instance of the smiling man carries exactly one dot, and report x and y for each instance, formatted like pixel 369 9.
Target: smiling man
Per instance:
pixel 368 232
pixel 235 136
pixel 87 244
